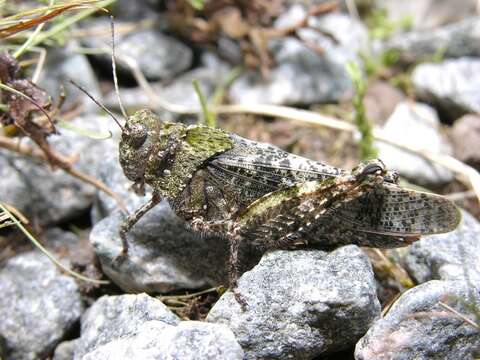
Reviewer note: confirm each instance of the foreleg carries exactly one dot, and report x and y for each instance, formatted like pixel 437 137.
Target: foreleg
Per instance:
pixel 132 219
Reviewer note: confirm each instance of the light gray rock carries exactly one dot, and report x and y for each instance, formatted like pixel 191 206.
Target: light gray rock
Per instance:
pixel 63 65
pixel 451 41
pixel 65 350
pixel 465 139
pixel 112 175
pixel 417 327
pixel 301 304
pixel 230 50
pixel 291 16
pixel 302 75
pixel 428 14
pixel 179 91
pixel 159 57
pixel 52 196
pixel 452 85
pixel 189 340
pixel 346 30
pixel 163 254
pixel 127 10
pixel 38 306
pixel 452 256
pixel 416 125
pixel 114 317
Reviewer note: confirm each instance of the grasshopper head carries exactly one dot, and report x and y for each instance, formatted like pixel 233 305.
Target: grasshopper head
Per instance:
pixel 139 137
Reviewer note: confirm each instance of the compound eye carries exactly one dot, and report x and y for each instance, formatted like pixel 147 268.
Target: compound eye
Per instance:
pixel 136 135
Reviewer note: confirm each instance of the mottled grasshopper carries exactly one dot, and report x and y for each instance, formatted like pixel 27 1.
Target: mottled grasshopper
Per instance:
pixel 243 190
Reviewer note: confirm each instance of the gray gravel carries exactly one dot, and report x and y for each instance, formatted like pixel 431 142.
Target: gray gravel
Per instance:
pixel 63 65
pixel 452 256
pixel 417 327
pixel 302 75
pixel 417 125
pixel 189 340
pixel 452 85
pixel 115 317
pixel 65 350
pixel 158 56
pixel 38 306
pixel 451 41
pixel 301 304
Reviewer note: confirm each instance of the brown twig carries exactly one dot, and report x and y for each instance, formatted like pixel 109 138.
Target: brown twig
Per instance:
pixel 27 24
pixel 459 315
pixel 450 313
pixel 27 150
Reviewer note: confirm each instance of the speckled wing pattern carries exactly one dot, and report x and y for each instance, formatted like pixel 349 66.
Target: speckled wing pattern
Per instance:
pixel 387 215
pixel 254 169
pixel 392 210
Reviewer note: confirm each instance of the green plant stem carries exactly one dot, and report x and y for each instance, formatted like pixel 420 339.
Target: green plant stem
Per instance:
pixel 367 148
pixel 209 117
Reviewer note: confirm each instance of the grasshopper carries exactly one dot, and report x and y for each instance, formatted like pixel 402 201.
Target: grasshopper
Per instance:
pixel 247 191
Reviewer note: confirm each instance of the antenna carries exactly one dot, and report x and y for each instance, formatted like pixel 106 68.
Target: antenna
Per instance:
pixel 114 69
pixel 79 87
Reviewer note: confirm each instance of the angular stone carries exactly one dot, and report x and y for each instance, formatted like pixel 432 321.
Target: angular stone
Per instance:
pixel 428 14
pixel 63 65
pixel 417 327
pixel 38 306
pixel 451 256
pixel 301 304
pixel 179 91
pixel 465 139
pixel 380 101
pixel 451 41
pixel 158 56
pixel 451 85
pixel 163 254
pixel 65 350
pixel 115 317
pixel 189 340
pixel 416 125
pixel 302 75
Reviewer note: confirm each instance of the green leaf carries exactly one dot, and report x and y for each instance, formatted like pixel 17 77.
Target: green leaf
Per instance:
pixel 197 4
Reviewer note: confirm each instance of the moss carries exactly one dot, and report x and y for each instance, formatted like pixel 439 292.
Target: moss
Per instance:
pixel 367 148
